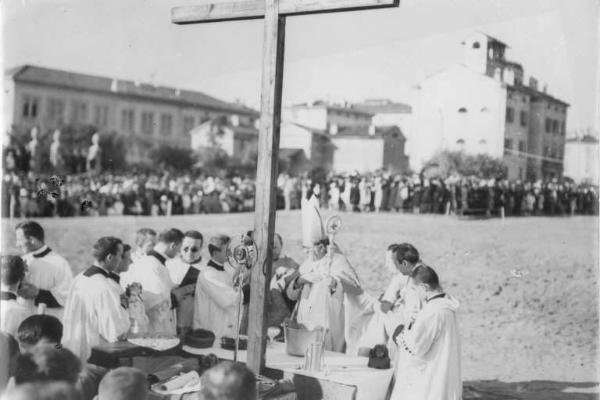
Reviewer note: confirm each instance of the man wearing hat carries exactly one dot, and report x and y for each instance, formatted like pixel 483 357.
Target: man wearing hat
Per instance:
pixel 329 291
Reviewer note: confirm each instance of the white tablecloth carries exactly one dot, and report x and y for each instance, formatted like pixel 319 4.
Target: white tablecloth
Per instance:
pixel 371 384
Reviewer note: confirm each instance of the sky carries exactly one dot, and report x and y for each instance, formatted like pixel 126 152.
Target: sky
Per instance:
pixel 348 56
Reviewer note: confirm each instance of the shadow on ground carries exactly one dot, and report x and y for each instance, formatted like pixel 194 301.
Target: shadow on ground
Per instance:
pixel 532 390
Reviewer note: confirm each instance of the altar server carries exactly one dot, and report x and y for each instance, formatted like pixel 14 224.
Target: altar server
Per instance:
pixel 151 272
pixel 429 353
pixel 215 307
pixel 184 271
pixel 331 294
pixel 48 274
pixel 145 239
pixel 12 313
pixel 399 304
pixel 93 311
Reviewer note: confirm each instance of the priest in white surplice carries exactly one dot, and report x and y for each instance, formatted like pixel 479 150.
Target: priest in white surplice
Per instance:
pixel 48 276
pixel 330 293
pixel 151 272
pixel 93 311
pixel 12 313
pixel 184 271
pixel 399 304
pixel 215 303
pixel 429 366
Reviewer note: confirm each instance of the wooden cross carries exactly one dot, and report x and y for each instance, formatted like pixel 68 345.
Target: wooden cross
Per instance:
pixel 274 13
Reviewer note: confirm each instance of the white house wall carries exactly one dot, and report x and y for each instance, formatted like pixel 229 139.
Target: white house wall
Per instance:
pixel 295 137
pixel 439 124
pixel 362 155
pixel 581 162
pixel 311 117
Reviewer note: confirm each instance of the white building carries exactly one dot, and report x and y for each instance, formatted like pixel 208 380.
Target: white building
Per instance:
pixel 481 106
pixel 460 108
pixel 581 159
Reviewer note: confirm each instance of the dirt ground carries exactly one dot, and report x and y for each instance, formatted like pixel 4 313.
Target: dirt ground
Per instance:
pixel 528 286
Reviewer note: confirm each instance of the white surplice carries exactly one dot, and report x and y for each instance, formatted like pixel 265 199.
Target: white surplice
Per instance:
pixel 156 283
pixel 12 313
pixel 50 272
pixel 93 315
pixel 406 305
pixel 345 313
pixel 429 366
pixel 215 301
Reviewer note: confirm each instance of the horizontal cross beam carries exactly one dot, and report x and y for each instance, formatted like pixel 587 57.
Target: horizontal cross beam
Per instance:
pixel 255 9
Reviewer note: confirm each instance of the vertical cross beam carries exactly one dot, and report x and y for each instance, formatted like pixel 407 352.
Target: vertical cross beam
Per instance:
pixel 266 178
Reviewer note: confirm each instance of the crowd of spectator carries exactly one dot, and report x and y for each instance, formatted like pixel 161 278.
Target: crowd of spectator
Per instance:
pixel 177 194
pixel 456 195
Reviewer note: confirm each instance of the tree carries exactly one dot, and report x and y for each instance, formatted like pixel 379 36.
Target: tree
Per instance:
pixel 176 158
pixel 448 162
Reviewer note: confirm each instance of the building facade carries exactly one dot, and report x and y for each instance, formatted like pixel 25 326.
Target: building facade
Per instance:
pixel 582 162
pixel 145 114
pixel 359 144
pixel 483 106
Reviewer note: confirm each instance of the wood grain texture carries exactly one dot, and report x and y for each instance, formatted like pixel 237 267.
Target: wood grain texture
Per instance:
pixel 244 10
pixel 266 180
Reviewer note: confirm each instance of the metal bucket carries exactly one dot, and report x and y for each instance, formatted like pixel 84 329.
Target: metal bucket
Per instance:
pixel 297 340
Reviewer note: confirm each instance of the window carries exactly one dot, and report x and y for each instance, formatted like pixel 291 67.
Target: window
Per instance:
pixel 523 118
pixel 510 114
pixel 147 123
pixel 101 116
pixel 460 142
pixel 548 125
pixel 30 106
pixel 79 112
pixel 547 151
pixel 56 110
pixel 555 126
pixel 562 128
pixel 127 120
pixel 522 147
pixel 462 110
pixel 508 144
pixel 475 45
pixel 485 109
pixel 188 125
pixel 166 124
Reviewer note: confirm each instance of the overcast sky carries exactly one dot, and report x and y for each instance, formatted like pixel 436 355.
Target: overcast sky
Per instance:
pixel 343 56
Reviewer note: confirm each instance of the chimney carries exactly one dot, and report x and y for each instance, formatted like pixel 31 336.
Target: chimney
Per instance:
pixel 533 83
pixel 333 129
pixel 114 86
pixel 371 130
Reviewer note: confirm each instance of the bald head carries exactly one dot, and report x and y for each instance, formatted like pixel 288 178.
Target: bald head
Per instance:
pixel 123 383
pixel 229 381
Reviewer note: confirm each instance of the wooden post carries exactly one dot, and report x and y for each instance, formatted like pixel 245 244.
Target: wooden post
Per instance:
pixel 266 178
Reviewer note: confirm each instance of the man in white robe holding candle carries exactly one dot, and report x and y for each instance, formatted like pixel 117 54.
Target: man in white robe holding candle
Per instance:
pixel 151 272
pixel 429 366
